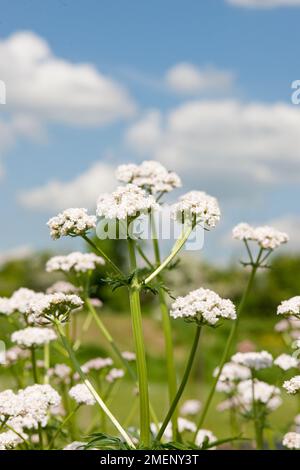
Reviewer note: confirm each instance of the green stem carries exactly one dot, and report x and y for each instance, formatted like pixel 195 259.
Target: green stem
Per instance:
pixel 175 250
pixel 36 381
pixel 228 345
pixel 136 317
pixel 104 255
pixel 182 385
pixel 86 381
pixel 65 421
pixel 46 362
pixel 167 330
pixel 257 425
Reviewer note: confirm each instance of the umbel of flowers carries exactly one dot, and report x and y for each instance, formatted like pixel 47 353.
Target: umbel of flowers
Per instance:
pixel 49 392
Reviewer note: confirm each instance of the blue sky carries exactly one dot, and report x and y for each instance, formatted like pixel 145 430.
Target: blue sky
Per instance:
pixel 236 129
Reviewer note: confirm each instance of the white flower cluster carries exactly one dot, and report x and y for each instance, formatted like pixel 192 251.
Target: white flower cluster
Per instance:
pixel 114 374
pixel 129 356
pixel 33 337
pixel 98 363
pixel 29 407
pixel 81 394
pixel 149 175
pixel 253 360
pixel 292 386
pixel 10 440
pixel 74 262
pixel 73 222
pixel 205 437
pixel 266 394
pixel 63 287
pixel 203 305
pixel 126 201
pixel 286 362
pixel 43 309
pixel 184 425
pixel 291 440
pixel 19 301
pixel 61 372
pixel 76 445
pixel 14 354
pixel 290 307
pixel 231 375
pixel 267 237
pixel 199 206
pixel 190 407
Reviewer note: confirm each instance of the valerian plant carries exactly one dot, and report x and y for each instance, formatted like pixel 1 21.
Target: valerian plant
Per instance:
pixel 42 410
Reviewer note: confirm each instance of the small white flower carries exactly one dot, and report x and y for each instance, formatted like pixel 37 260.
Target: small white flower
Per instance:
pixel 190 407
pixel 126 201
pixel 18 302
pixel 290 307
pixel 129 356
pixel 266 394
pixel 46 308
pixel 204 437
pixel 253 360
pixel 82 395
pixel 61 372
pixel 62 287
pixel 37 401
pixel 10 440
pixel 33 337
pixel 75 262
pixel 14 354
pixel 5 306
pixel 76 445
pixel 98 363
pixel 149 175
pixel 231 375
pixel 114 374
pixel 73 222
pixel 292 386
pixel 203 305
pixel 197 205
pixel 267 237
pixel 286 362
pixel 10 404
pixel 291 440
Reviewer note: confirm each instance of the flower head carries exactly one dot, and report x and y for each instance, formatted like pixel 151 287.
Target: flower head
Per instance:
pixel 33 337
pixel 49 307
pixel 75 262
pixel 231 375
pixel 62 287
pixel 19 301
pixel 149 175
pixel 10 440
pixel 98 363
pixel 253 360
pixel 126 201
pixel 61 372
pixel 203 306
pixel 265 394
pixel 198 206
pixel 73 222
pixel 37 401
pixel 291 440
pixel 190 407
pixel 286 362
pixel 292 386
pixel 267 237
pixel 82 395
pixel 205 437
pixel 114 374
pixel 290 307
pixel 129 356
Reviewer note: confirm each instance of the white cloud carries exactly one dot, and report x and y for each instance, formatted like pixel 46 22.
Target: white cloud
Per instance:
pixel 264 3
pixel 51 88
pixel 185 78
pixel 291 225
pixel 146 133
pixel 227 141
pixel 82 191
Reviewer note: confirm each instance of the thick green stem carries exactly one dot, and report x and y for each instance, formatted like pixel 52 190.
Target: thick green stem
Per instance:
pixel 167 330
pixel 228 347
pixel 182 385
pixel 175 250
pixel 103 254
pixel 65 421
pixel 136 317
pixel 86 381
